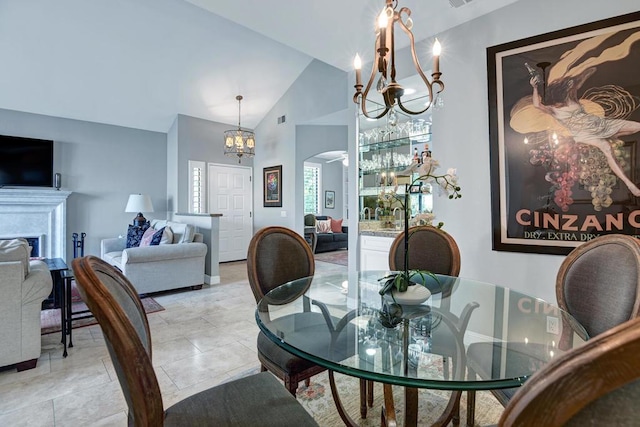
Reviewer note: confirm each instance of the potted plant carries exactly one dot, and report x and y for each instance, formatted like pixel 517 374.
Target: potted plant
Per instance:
pixel 401 281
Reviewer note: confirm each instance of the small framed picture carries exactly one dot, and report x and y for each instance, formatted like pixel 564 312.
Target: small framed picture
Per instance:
pixel 273 186
pixel 330 199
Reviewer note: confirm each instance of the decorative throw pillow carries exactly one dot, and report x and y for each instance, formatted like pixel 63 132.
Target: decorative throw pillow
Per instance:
pixel 182 233
pixel 336 225
pixel 157 237
pixel 147 236
pixel 135 233
pixel 323 226
pixel 167 236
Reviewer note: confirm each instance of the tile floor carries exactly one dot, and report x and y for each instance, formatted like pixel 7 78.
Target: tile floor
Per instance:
pixel 201 339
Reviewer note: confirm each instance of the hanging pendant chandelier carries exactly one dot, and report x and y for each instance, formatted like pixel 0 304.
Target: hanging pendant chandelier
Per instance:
pixel 238 142
pixel 384 64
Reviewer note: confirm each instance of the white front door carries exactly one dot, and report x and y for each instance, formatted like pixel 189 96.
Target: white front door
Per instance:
pixel 231 194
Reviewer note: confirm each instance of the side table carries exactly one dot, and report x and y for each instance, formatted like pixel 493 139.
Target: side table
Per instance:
pixel 56 266
pixel 69 314
pixel 59 270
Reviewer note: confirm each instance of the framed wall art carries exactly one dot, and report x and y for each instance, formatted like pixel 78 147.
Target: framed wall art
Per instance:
pixel 330 199
pixel 564 123
pixel 272 186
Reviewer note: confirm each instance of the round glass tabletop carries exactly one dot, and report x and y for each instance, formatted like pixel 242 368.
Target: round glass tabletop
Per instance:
pixel 467 335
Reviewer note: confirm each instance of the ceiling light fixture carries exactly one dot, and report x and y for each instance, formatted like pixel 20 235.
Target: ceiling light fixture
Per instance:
pixel 384 63
pixel 238 142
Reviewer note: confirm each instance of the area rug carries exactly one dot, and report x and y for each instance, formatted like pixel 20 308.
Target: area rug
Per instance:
pixel 50 319
pixel 318 401
pixel 333 257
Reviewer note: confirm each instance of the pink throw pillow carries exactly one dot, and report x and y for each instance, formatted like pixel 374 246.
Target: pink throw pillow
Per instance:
pixel 146 237
pixel 336 225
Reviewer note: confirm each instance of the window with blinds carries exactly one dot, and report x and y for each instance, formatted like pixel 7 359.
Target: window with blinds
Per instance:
pixel 312 190
pixel 197 187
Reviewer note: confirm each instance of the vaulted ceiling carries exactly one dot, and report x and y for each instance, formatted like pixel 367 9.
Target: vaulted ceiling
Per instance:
pixel 138 63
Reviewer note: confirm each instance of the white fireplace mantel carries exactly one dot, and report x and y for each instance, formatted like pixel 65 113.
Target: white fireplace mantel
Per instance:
pixel 36 212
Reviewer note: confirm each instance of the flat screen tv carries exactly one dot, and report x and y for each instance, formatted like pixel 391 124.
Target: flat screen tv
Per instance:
pixel 25 162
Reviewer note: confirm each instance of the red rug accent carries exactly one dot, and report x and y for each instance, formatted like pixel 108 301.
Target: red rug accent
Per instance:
pixel 50 319
pixel 334 257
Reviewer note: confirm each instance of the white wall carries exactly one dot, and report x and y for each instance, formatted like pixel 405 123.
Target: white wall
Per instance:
pixel 461 134
pixel 332 180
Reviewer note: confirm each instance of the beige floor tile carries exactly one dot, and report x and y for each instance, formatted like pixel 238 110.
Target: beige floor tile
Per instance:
pixel 51 386
pixel 189 371
pixel 116 420
pixel 83 406
pixel 38 414
pixel 172 351
pixel 11 376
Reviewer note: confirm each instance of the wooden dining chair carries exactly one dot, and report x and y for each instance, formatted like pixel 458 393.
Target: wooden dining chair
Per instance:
pixel 278 255
pixel 598 284
pixel 430 248
pixel 596 384
pixel 254 400
pixel 435 250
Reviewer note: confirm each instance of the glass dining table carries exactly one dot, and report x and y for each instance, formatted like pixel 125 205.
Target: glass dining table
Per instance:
pixel 341 322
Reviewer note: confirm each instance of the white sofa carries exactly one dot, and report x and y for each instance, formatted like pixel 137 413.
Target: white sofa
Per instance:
pixel 24 284
pixel 163 267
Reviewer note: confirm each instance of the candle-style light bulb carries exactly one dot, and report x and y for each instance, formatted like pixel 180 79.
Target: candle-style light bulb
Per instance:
pixel 382 25
pixel 357 64
pixel 382 19
pixel 437 49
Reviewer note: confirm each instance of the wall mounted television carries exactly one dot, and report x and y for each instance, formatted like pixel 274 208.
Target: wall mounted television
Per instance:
pixel 25 162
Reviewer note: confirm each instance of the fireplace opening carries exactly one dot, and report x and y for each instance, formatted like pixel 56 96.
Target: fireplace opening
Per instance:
pixel 34 242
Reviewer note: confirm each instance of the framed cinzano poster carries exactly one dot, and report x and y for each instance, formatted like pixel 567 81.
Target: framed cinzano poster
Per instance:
pixel 564 129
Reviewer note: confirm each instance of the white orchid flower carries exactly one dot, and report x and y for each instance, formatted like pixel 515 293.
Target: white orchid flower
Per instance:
pixel 424 218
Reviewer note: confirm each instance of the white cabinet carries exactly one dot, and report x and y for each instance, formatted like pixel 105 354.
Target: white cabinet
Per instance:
pixel 374 252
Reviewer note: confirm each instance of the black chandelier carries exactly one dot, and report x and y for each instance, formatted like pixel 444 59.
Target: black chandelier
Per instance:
pixel 384 63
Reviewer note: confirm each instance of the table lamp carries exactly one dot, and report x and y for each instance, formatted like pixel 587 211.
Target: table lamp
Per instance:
pixel 139 203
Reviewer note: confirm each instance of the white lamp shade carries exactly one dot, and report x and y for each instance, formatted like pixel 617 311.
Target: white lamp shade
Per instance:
pixel 139 203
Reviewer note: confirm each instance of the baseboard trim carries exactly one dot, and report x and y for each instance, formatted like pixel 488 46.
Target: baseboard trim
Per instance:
pixel 211 280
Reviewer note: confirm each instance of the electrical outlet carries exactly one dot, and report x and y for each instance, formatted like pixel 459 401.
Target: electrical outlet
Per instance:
pixel 283 214
pixel 553 325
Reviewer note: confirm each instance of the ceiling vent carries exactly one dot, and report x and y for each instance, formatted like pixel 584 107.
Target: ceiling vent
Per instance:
pixel 458 3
